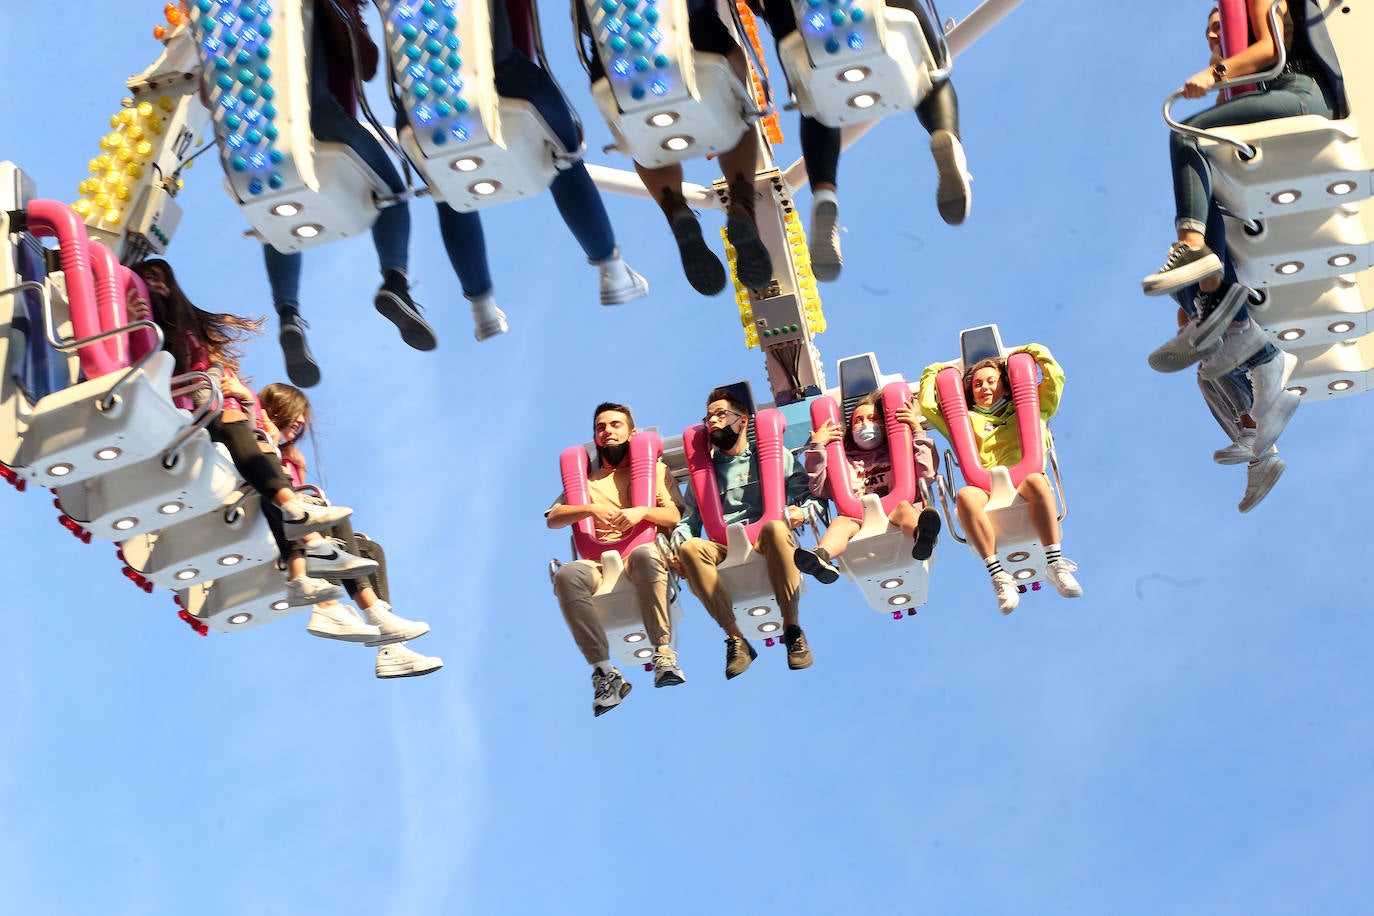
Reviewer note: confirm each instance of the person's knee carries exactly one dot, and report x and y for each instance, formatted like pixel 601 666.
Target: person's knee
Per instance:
pixel 646 563
pixel 573 580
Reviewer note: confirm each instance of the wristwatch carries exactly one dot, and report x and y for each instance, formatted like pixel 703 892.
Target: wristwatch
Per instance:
pixel 1219 71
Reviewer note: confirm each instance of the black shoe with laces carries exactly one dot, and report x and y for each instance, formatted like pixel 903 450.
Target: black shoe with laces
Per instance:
pixel 753 266
pixel 394 302
pixel 1184 266
pixel 699 263
pixel 301 367
pixel 816 563
pixel 927 532
pixel 739 655
pixel 798 652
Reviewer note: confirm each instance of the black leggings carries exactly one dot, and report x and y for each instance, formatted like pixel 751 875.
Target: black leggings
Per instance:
pixel 262 471
pixel 362 547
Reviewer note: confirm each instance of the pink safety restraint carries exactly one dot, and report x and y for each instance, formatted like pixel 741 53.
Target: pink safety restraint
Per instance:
pixel 1025 395
pixel 900 448
pixel 769 426
pixel 645 450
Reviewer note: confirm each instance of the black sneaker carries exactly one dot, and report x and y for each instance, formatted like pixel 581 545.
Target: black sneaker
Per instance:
pixel 394 302
pixel 610 689
pixel 301 367
pixel 753 266
pixel 816 564
pixel 1183 267
pixel 927 532
pixel 699 263
pixel 739 655
pixel 798 652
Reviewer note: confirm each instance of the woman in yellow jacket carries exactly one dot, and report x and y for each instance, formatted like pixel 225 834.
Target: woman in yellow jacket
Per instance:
pixel 992 416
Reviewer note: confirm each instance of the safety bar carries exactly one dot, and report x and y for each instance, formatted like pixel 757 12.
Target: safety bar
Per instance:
pixel 360 91
pixel 567 157
pixel 760 69
pixel 1246 151
pixel 943 56
pixel 1058 483
pixel 951 519
pixel 186 384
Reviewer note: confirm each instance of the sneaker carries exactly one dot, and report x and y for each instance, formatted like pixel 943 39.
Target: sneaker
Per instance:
pixel 1274 404
pixel 1180 351
pixel 487 319
pixel 798 652
pixel 327 557
pixel 299 518
pixel 398 660
pixel 339 621
pixel 1260 478
pixel 1238 344
pixel 619 282
pixel 666 671
pixel 1008 596
pixel 953 196
pixel 301 367
pixel 927 532
pixel 1239 452
pixel 391 627
pixel 303 591
pixel 1215 312
pixel 1183 267
pixel 610 689
pixel 816 564
pixel 699 263
pixel 739 655
pixel 394 302
pixel 753 266
pixel 1060 573
pixel 826 259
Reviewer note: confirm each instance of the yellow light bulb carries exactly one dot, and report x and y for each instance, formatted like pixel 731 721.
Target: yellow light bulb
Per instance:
pixel 112 216
pixel 82 208
pixel 102 200
pixel 165 103
pixel 134 132
pixel 126 116
pixel 114 120
pixel 122 193
pixel 145 109
pixel 180 184
pixel 124 154
pixel 154 127
pixel 135 170
pixel 104 161
pixel 112 176
pixel 144 149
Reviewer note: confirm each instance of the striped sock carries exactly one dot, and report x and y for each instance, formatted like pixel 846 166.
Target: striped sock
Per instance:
pixel 994 565
pixel 1051 553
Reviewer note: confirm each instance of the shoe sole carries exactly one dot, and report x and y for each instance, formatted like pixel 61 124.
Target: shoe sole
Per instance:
pixel 420 629
pixel 1179 277
pixel 800 664
pixel 1170 358
pixel 927 532
pixel 826 260
pixel 669 680
pixel 1267 483
pixel 753 654
pixel 700 265
pixel 1227 461
pixel 333 593
pixel 301 367
pixel 356 571
pixel 294 531
pixel 1210 329
pixel 637 290
pixel 1274 422
pixel 809 563
pixel 341 635
pixel 489 329
pixel 624 692
pixel 388 674
pixel 953 196
pixel 414 331
pixel 753 265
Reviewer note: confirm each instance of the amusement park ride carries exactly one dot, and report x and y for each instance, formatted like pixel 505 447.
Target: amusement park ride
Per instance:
pixel 86 399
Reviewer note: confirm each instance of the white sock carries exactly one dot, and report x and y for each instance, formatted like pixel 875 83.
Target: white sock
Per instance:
pixel 605 667
pixel 822 196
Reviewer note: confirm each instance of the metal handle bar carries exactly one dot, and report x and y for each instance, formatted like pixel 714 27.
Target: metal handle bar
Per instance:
pixel 1245 150
pixel 951 519
pixel 944 58
pixel 186 384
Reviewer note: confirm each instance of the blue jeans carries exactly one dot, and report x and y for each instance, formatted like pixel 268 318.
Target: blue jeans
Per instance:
pixel 578 200
pixel 1289 96
pixel 390 233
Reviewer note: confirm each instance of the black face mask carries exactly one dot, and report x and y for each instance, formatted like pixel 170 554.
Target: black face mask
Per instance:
pixel 612 455
pixel 725 437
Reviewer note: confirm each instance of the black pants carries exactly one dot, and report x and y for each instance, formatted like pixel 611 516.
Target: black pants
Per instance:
pixel 263 471
pixel 362 547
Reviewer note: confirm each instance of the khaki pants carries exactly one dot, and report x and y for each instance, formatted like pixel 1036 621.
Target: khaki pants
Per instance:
pixel 575 583
pixel 700 557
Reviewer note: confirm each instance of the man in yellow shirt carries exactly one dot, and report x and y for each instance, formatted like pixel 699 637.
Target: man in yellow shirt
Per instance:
pixel 608 486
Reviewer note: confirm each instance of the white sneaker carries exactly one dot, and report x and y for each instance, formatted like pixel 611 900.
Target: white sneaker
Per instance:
pixel 303 590
pixel 1008 595
pixel 327 557
pixel 619 282
pixel 392 627
pixel 487 319
pixel 397 660
pixel 339 621
pixel 666 671
pixel 826 260
pixel 1060 575
pixel 953 196
pixel 1239 452
pixel 1260 478
pixel 300 518
pixel 1237 345
pixel 610 689
pixel 1274 404
pixel 1181 351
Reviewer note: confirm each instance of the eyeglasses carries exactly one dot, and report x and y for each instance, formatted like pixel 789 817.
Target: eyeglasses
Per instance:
pixel 721 415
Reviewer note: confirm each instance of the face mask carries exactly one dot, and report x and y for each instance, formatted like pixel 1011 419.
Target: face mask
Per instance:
pixel 612 455
pixel 868 436
pixel 725 437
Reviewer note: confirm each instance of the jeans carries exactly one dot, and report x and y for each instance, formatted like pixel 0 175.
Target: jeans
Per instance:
pixel 578 200
pixel 1289 96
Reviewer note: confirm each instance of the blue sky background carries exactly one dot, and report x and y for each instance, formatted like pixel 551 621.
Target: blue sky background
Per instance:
pixel 1192 736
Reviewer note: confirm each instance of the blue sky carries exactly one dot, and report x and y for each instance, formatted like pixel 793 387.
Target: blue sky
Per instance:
pixel 1191 736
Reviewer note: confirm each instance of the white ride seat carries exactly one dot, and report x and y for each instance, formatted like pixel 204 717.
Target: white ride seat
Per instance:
pixel 240 600
pixel 1318 244
pixel 862 68
pixel 473 147
pixel 663 101
pixel 1317 313
pixel 203 548
pixel 297 192
pixel 1334 370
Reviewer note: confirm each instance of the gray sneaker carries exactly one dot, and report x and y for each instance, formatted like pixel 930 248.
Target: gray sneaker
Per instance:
pixel 610 689
pixel 1260 478
pixel 739 655
pixel 300 518
pixel 666 671
pixel 328 558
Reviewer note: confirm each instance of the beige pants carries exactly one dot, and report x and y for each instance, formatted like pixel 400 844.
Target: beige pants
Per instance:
pixel 575 583
pixel 700 557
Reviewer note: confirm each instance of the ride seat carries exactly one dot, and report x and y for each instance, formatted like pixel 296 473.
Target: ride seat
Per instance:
pixel 240 600
pixel 233 538
pixel 1319 244
pixel 862 68
pixel 663 101
pixel 1334 370
pixel 1318 312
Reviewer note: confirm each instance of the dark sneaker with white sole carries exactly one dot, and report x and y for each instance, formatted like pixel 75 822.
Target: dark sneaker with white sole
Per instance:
pixel 301 367
pixel 394 302
pixel 739 655
pixel 798 652
pixel 699 263
pixel 753 265
pixel 927 533
pixel 1184 266
pixel 816 564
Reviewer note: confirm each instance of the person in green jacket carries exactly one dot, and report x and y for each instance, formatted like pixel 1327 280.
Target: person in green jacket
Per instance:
pixel 992 416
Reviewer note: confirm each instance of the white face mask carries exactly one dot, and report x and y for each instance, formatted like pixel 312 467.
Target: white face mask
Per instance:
pixel 868 436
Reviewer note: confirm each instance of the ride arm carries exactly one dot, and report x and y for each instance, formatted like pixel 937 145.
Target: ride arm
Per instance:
pixel 930 402
pixel 1051 379
pixel 339 23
